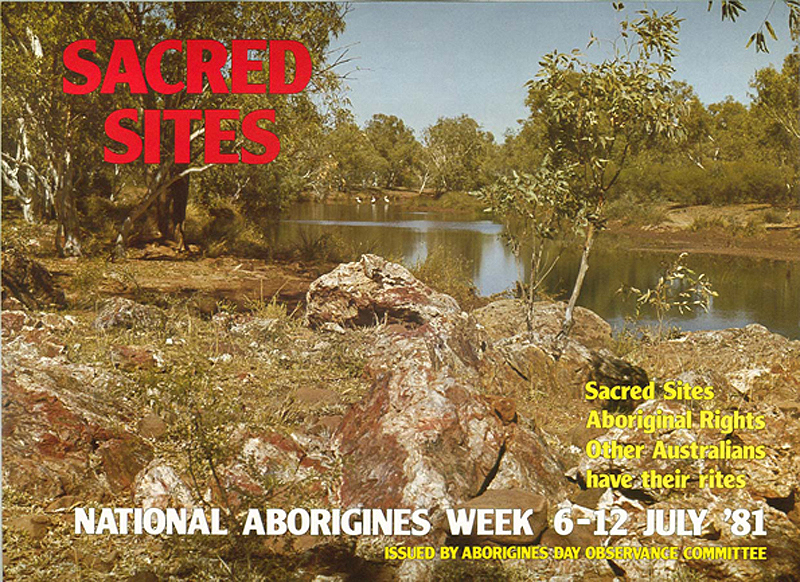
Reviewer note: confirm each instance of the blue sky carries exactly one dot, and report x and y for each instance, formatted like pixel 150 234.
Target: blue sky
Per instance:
pixel 421 60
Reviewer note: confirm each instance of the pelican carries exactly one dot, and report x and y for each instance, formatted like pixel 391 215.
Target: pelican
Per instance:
pixel 374 200
pixel 358 199
pixel 386 199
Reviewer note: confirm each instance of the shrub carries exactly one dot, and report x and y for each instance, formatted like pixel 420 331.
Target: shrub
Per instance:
pixel 774 216
pixel 720 182
pixel 451 274
pixel 227 231
pixel 633 208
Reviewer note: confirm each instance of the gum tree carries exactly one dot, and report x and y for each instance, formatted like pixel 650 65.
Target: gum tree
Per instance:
pixel 52 151
pixel 396 147
pixel 536 208
pixel 596 117
pixel 46 135
pixel 732 9
pixel 455 149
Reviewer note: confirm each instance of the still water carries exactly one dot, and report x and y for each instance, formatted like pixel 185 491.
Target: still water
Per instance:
pixel 750 290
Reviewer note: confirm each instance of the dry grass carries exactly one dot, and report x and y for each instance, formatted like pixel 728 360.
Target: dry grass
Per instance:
pixel 449 273
pixel 215 377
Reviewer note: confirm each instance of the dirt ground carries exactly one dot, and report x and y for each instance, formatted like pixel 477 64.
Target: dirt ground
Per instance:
pixel 735 230
pixel 159 273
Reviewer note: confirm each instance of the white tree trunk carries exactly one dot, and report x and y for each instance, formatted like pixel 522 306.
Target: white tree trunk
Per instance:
pixel 576 290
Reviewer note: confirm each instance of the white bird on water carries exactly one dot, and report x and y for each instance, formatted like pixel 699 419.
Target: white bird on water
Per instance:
pixel 386 199
pixel 374 200
pixel 358 199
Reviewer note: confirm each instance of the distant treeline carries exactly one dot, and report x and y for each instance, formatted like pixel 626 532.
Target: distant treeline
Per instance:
pixel 732 152
pixel 52 146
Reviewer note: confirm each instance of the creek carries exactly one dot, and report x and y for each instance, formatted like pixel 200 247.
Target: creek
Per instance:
pixel 749 290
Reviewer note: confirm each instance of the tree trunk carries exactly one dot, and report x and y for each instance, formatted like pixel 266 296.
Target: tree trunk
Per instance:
pixel 121 243
pixel 163 215
pixel 21 178
pixel 424 181
pixel 67 240
pixel 576 290
pixel 536 252
pixel 155 191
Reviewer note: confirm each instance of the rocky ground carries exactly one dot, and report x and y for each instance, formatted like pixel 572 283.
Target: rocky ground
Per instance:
pixel 378 392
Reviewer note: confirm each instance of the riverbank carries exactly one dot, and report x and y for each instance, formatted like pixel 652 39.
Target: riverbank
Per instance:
pixel 780 245
pixel 755 275
pixel 740 230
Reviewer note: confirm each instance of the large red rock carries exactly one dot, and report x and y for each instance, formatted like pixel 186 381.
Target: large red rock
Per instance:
pixel 426 436
pixel 59 426
pixel 370 290
pixel 507 317
pixel 279 466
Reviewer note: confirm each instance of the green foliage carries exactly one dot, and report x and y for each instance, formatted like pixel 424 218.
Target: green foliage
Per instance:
pixel 535 208
pixel 221 229
pixel 594 117
pixel 630 208
pixel 355 157
pixel 455 150
pixel 609 128
pixel 314 248
pixel 723 182
pixel 730 153
pixel 326 248
pixel 678 288
pixel 86 282
pixel 597 115
pixel 777 105
pixel 53 142
pixel 396 147
pixel 732 9
pixel 463 202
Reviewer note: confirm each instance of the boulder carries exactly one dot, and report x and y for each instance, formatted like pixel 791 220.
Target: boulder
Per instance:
pixel 159 485
pixel 743 364
pixel 771 485
pixel 62 435
pixel 513 499
pixel 426 437
pixel 670 437
pixel 518 363
pixel 122 459
pixel 372 290
pixel 277 464
pixel 122 313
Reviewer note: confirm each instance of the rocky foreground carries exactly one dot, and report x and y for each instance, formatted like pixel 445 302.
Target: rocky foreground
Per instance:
pixel 387 395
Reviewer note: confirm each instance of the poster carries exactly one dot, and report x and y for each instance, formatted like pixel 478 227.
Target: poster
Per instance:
pixel 400 291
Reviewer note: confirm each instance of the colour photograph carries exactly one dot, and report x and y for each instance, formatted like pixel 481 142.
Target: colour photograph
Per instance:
pixel 400 291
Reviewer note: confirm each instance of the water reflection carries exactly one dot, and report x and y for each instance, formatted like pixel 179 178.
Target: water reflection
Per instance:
pixel 750 290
